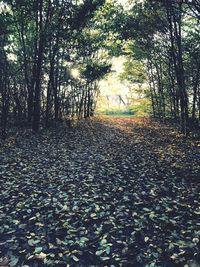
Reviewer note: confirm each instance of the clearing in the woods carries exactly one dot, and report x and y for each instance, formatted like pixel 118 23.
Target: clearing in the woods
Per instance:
pixel 107 192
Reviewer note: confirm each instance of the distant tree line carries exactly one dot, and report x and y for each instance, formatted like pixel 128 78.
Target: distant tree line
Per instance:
pixel 54 52
pixel 51 58
pixel 165 35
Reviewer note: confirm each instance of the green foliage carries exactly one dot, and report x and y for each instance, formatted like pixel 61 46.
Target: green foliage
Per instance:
pixel 165 36
pixel 142 108
pixel 85 12
pixel 95 71
pixel 110 20
pixel 118 112
pixel 134 72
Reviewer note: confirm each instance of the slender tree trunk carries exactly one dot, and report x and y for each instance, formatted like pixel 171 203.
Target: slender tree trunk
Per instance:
pixel 42 40
pixel 195 87
pixel 175 21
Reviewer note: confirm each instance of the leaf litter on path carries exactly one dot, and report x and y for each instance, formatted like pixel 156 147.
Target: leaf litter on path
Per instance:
pixel 109 192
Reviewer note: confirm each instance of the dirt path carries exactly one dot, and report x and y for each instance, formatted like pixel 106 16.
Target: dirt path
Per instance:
pixel 109 192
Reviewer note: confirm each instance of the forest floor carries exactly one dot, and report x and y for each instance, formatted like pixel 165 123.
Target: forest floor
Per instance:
pixel 108 192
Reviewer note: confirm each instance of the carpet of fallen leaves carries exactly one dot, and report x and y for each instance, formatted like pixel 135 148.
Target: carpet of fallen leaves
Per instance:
pixel 108 192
